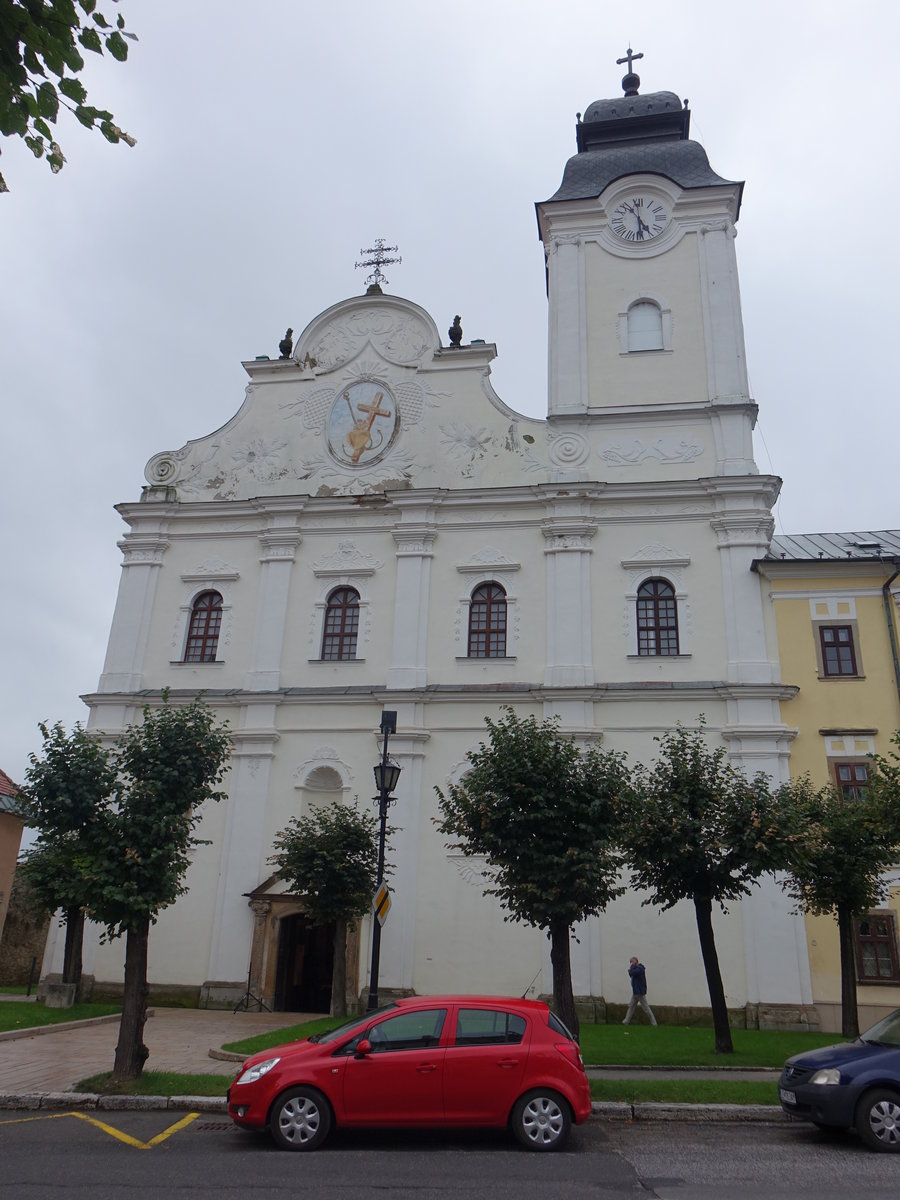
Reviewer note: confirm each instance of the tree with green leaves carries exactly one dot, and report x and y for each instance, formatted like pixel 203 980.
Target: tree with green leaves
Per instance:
pixel 545 816
pixel 169 765
pixel 838 861
pixel 40 61
pixel 67 792
pixel 699 830
pixel 329 860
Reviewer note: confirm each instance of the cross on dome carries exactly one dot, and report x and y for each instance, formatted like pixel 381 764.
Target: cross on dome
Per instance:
pixel 630 82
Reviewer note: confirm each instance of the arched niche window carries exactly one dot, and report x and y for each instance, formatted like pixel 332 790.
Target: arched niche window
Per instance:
pixel 341 626
pixel 645 326
pixel 657 618
pixel 203 628
pixel 487 622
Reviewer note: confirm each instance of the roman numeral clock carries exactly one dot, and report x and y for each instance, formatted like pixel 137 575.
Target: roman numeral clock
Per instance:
pixel 638 218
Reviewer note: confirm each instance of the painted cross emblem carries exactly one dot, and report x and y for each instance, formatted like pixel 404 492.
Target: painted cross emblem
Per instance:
pixel 362 424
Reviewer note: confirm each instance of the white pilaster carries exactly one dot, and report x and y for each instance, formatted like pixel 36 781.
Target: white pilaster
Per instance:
pixel 398 937
pixel 720 289
pixel 567 349
pixel 414 537
pixel 279 545
pixel 143 552
pixel 242 850
pixel 568 531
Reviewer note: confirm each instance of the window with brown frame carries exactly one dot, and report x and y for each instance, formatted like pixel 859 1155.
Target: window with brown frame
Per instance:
pixel 852 779
pixel 876 948
pixel 838 652
pixel 657 618
pixel 341 625
pixel 204 628
pixel 487 622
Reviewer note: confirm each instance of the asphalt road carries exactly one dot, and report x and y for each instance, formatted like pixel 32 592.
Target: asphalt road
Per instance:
pixel 46 1155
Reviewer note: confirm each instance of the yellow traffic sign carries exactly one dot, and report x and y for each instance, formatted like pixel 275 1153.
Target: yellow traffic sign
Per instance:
pixel 382 904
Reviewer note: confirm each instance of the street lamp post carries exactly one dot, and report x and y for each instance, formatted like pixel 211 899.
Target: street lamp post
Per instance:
pixel 387 773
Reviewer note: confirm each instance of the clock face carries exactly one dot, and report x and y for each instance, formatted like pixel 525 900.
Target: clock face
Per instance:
pixel 638 218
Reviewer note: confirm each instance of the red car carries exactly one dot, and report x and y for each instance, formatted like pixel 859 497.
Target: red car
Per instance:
pixel 421 1061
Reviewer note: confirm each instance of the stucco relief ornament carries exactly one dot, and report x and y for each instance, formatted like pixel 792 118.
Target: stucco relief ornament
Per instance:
pixel 347 557
pixel 399 337
pixel 568 449
pixel 260 458
pixel 665 449
pixel 462 441
pixel 472 869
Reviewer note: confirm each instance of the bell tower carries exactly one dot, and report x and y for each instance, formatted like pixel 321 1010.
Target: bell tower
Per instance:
pixel 644 303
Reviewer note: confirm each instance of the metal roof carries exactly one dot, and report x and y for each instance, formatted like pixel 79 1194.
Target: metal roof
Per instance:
pixel 877 544
pixel 586 174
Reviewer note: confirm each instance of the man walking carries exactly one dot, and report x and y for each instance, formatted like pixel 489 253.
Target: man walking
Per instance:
pixel 638 974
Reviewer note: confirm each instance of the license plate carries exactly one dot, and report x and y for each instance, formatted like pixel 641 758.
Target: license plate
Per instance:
pixel 786 1096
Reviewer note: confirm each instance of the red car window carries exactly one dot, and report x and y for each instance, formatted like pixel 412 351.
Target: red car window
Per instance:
pixel 408 1031
pixel 486 1027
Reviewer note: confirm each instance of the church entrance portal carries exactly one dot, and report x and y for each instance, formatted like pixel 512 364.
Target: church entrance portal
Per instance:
pixel 305 962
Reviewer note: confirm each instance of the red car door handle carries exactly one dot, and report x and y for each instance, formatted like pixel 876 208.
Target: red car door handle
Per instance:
pixel 508 1062
pixel 426 1068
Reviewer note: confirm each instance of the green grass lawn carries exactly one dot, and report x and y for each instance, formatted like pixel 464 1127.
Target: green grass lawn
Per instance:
pixel 626 1091
pixel 28 1014
pixel 638 1045
pixel 684 1091
pixel 291 1033
pixel 11 989
pixel 670 1045
pixel 157 1083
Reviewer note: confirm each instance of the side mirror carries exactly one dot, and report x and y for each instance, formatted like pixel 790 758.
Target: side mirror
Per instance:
pixel 363 1047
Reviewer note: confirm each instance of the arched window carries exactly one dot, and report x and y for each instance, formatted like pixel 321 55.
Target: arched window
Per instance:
pixel 487 622
pixel 203 630
pixel 657 618
pixel 341 625
pixel 645 331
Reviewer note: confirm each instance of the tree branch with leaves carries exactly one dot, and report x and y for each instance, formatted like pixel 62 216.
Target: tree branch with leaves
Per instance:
pixel 544 814
pixel 40 60
pixel 699 830
pixel 329 860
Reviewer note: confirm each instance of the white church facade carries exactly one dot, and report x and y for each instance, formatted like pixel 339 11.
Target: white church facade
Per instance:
pixel 376 529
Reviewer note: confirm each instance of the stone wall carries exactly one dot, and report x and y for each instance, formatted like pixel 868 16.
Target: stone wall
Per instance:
pixel 24 936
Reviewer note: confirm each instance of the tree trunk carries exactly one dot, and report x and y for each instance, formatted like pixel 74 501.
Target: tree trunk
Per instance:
pixel 703 911
pixel 563 997
pixel 71 972
pixel 339 971
pixel 131 1053
pixel 849 1013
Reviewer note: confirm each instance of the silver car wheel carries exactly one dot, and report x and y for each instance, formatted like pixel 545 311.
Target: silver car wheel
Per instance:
pixel 542 1121
pixel 884 1121
pixel 300 1119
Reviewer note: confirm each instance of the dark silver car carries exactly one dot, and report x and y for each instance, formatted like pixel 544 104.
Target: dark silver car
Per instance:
pixel 853 1083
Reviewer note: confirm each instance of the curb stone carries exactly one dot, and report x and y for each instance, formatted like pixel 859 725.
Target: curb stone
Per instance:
pixel 226 1055
pixel 698 1113
pixel 14 1035
pixel 600 1109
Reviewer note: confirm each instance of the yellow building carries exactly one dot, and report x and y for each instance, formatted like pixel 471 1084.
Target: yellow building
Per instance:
pixel 834 600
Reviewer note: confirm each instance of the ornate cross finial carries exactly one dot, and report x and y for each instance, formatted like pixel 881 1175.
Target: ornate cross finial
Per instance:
pixel 378 257
pixel 631 82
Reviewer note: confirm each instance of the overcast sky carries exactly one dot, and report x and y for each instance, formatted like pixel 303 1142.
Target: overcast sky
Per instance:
pixel 277 139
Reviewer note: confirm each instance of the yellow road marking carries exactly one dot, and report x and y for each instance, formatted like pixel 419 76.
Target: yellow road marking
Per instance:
pixel 111 1129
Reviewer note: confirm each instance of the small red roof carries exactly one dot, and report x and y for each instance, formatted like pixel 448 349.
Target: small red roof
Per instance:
pixel 7 787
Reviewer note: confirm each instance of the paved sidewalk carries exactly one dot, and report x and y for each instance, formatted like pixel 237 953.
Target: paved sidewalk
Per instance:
pixel 179 1039
pixel 37 1071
